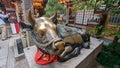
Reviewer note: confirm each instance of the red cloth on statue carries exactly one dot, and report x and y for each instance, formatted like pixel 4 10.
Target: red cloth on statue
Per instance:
pixel 41 58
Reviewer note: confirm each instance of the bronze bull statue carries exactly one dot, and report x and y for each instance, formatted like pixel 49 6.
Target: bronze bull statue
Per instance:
pixel 46 37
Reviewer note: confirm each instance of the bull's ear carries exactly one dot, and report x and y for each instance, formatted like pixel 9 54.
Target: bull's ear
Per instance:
pixel 30 18
pixel 54 16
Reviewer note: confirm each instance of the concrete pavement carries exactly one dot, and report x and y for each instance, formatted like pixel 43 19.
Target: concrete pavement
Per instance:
pixel 7 58
pixel 3 53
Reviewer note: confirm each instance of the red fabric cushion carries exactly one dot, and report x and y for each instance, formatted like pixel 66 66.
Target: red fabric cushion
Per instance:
pixel 41 58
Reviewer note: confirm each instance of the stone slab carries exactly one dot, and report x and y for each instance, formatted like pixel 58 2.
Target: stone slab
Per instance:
pixel 84 60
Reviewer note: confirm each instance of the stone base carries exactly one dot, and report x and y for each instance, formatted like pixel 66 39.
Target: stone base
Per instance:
pixel 84 60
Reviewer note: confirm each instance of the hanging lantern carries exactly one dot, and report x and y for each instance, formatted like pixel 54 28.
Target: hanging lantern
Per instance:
pixel 38 3
pixel 64 1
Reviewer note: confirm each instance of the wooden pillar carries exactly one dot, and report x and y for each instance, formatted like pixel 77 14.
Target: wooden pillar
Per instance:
pixel 107 21
pixel 67 16
pixel 17 5
pixel 26 5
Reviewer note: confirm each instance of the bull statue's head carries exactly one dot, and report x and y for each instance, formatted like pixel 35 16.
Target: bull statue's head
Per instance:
pixel 44 34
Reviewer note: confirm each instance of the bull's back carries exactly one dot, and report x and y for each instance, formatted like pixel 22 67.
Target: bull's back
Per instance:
pixel 76 38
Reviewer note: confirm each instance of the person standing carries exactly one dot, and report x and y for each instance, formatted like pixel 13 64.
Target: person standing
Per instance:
pixel 3 24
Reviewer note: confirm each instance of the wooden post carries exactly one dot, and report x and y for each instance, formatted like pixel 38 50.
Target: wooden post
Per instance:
pixel 17 10
pixel 67 14
pixel 107 21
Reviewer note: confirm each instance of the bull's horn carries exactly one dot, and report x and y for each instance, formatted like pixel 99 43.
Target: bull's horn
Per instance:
pixel 54 16
pixel 30 18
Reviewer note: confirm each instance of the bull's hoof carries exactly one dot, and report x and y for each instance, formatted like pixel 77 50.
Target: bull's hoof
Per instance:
pixel 74 53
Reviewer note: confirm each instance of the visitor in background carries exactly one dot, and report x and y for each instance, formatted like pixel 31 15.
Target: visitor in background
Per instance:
pixel 3 24
pixel 8 28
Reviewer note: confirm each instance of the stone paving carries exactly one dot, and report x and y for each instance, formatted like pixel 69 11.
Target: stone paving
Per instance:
pixel 3 53
pixel 12 62
pixel 7 59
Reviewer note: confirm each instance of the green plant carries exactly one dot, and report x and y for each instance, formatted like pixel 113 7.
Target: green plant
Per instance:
pixel 111 2
pixel 114 10
pixel 53 6
pixel 114 6
pixel 96 31
pixel 88 4
pixel 107 58
pixel 99 3
pixel 111 31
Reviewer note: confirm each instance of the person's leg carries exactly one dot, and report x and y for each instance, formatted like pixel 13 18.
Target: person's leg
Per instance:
pixel 0 30
pixel 3 32
pixel 8 31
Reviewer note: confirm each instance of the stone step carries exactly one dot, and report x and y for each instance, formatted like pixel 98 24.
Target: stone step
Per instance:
pixel 84 60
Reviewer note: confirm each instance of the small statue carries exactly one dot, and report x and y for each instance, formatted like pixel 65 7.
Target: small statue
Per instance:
pixel 52 47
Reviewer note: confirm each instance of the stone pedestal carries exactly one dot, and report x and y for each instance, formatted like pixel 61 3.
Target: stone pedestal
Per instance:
pixel 84 60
